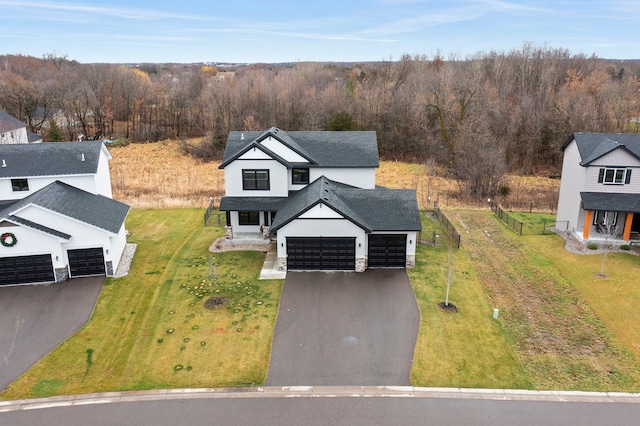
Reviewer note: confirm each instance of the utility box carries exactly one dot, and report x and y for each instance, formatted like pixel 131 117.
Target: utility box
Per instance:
pixel 496 312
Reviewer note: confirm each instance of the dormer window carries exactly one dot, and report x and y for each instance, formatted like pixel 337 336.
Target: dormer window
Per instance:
pixel 19 185
pixel 300 176
pixel 614 176
pixel 255 180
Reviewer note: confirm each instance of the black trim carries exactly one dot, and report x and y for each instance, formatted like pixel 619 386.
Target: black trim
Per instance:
pixel 601 176
pixel 251 181
pixel 84 262
pixel 387 251
pixel 300 176
pixel 228 217
pixel 18 185
pixel 321 253
pixel 627 178
pixel 26 269
pixel 249 218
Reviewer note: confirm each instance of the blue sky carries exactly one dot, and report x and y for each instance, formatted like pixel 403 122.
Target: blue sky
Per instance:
pixel 320 30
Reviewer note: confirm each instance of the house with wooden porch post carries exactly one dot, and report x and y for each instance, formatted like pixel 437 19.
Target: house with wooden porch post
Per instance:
pixel 600 188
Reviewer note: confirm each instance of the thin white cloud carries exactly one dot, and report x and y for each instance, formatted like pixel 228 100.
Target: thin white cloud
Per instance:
pixel 115 12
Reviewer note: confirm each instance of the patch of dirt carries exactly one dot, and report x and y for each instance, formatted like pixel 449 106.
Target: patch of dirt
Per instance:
pixel 449 308
pixel 222 244
pixel 216 302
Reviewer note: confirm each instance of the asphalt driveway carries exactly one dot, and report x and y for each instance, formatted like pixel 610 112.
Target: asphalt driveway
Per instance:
pixel 345 328
pixel 35 319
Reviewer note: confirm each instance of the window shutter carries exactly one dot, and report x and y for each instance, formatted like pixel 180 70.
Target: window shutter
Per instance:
pixel 601 176
pixel 627 178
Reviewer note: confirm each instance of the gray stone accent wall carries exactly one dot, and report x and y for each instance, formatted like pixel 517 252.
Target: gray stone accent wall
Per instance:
pixel 265 232
pixel 282 264
pixel 411 262
pixel 361 264
pixel 62 274
pixel 109 268
pixel 228 233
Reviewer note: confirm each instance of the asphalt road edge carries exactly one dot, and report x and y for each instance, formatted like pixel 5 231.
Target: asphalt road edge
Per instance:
pixel 321 392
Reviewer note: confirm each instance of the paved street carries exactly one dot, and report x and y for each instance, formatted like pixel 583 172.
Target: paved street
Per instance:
pixel 34 319
pixel 345 328
pixel 244 408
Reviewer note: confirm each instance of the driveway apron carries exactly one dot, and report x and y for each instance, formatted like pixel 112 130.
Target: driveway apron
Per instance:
pixel 35 319
pixel 345 328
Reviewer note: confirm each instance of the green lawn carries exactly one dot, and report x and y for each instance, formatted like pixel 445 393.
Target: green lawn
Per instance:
pixel 559 338
pixel 151 328
pixel 560 327
pixel 464 349
pixel 615 299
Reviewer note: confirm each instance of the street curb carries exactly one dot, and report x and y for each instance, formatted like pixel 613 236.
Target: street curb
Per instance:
pixel 320 392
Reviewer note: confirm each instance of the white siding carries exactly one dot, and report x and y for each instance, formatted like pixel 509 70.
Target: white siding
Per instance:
pixel 282 151
pixel 235 223
pixel 31 242
pixel 117 244
pixel 358 177
pixel 278 178
pixel 255 154
pixel 102 180
pixel 572 183
pixel 321 211
pixel 617 158
pixel 84 182
pixel 14 136
pixel 321 228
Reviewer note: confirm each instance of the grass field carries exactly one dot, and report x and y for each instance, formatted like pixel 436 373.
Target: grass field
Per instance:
pixel 160 175
pixel 151 329
pixel 560 327
pixel 561 341
pixel 464 349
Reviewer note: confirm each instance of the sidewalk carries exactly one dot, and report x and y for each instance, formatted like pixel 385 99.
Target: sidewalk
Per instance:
pixel 321 392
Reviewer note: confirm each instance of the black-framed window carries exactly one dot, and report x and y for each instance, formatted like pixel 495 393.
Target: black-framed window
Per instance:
pixel 19 185
pixel 614 176
pixel 300 176
pixel 255 180
pixel 605 219
pixel 249 218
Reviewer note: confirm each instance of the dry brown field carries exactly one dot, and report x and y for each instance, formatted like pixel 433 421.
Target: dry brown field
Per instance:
pixel 159 175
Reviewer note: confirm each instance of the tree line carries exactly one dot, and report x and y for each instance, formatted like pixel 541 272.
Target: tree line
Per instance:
pixel 477 116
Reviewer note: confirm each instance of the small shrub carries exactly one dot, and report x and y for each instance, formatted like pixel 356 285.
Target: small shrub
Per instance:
pixel 592 246
pixel 625 247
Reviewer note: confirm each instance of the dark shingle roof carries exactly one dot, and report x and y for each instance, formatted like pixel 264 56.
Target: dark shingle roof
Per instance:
pixel 378 209
pixel 8 122
pixel 592 146
pixel 322 149
pixel 49 159
pixel 42 228
pixel 613 202
pixel 251 204
pixel 95 210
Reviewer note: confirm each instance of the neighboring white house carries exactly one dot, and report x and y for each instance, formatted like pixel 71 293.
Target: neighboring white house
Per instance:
pixel 600 187
pixel 314 193
pixel 14 131
pixel 57 217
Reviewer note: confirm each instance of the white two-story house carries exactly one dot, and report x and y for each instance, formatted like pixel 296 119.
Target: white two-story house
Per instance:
pixel 600 187
pixel 57 217
pixel 13 131
pixel 314 194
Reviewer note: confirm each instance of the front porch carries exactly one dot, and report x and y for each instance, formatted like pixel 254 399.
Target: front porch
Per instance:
pixel 615 228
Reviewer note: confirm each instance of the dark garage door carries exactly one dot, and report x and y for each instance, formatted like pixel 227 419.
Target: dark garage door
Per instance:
pixel 387 251
pixel 86 262
pixel 328 254
pixel 26 269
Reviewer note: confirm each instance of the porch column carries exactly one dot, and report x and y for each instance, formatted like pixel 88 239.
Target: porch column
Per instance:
pixel 627 226
pixel 588 218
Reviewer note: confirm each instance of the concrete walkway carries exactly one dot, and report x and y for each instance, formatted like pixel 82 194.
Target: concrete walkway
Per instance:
pixel 270 267
pixel 321 392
